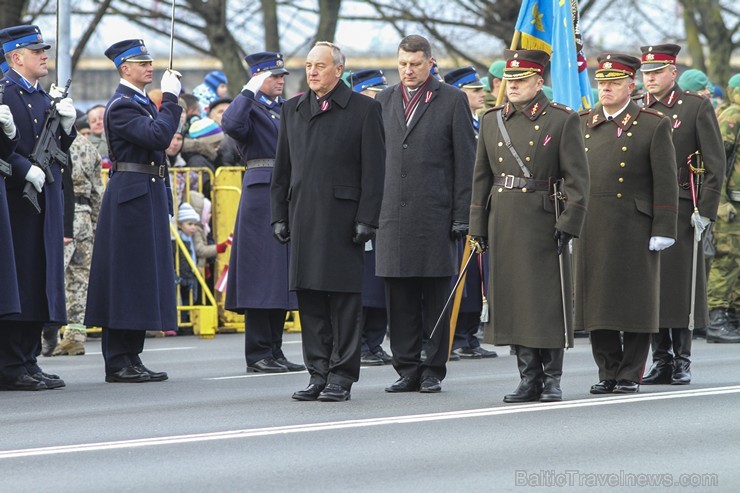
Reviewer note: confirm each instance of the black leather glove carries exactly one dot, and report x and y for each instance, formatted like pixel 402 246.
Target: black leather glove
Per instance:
pixel 362 233
pixel 458 230
pixel 562 238
pixel 281 232
pixel 482 243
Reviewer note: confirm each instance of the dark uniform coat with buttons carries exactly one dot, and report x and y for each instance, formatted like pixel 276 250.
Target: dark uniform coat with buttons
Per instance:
pixel 258 268
pixel 634 195
pixel 328 175
pixel 132 277
pixel 428 172
pixel 524 280
pixel 695 128
pixel 9 300
pixel 37 238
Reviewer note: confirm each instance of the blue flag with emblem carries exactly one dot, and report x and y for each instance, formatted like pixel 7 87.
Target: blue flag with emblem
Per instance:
pixel 548 25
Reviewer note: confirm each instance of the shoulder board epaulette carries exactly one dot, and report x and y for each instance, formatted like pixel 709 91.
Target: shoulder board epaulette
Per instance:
pixel 697 96
pixel 653 112
pixel 495 108
pixel 561 107
pixel 585 112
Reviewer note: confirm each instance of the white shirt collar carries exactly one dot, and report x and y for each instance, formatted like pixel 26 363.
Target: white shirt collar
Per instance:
pixel 614 115
pixel 130 85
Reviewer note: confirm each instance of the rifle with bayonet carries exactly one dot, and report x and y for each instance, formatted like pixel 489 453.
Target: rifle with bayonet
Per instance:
pixel 47 150
pixel 5 169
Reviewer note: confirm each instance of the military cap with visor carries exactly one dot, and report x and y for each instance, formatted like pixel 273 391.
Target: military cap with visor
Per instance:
pixel 370 79
pixel 464 77
pixel 658 56
pixel 264 61
pixel 17 37
pixel 614 66
pixel 521 64
pixel 128 50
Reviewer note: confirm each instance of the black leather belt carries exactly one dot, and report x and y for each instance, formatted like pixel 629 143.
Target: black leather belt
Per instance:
pixel 149 169
pixel 520 183
pixel 83 201
pixel 260 163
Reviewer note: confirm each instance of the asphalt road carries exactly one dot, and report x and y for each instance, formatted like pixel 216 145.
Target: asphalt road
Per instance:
pixel 212 427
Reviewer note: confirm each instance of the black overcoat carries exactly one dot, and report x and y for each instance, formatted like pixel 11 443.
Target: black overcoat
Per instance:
pixel 328 175
pixel 10 302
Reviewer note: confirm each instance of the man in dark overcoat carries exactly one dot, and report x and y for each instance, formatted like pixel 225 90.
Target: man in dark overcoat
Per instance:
pixel 132 276
pixel 695 132
pixel 257 285
pixel 9 299
pixel 326 192
pixel 426 204
pixel 631 219
pixel 513 209
pixel 38 238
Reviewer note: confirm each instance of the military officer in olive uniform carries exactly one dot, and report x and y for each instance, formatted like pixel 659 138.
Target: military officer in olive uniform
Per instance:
pixel 631 218
pixel 38 238
pixel 512 206
pixel 132 276
pixel 695 131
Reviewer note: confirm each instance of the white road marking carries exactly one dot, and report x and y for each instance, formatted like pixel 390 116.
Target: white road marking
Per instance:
pixel 360 423
pixel 253 375
pixel 183 348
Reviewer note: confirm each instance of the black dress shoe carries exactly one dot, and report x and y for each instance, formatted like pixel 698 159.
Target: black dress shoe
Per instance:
pixel 267 365
pixel 49 380
pixel 310 393
pixel 485 353
pixel 290 365
pixel 385 357
pixel 369 359
pixel 604 387
pixel 24 382
pixel 626 387
pixel 128 374
pixel 659 374
pixel 430 385
pixel 154 376
pixel 404 384
pixel 466 353
pixel 334 393
pixel 681 372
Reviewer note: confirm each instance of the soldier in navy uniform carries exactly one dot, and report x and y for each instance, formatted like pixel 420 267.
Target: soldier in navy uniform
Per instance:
pixel 374 318
pixel 465 344
pixel 37 237
pixel 132 276
pixel 258 269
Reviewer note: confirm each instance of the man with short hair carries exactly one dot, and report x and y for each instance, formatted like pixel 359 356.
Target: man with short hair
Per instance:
pixel 695 134
pixel 95 118
pixel 426 203
pixel 325 198
pixel 631 218
pixel 132 276
pixel 38 237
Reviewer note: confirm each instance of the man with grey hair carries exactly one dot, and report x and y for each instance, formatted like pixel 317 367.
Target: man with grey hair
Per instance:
pixel 426 203
pixel 325 195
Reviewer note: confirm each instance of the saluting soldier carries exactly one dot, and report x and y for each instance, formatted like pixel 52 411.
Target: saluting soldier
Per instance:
pixel 38 238
pixel 513 207
pixel 258 269
pixel 695 134
pixel 631 218
pixel 132 276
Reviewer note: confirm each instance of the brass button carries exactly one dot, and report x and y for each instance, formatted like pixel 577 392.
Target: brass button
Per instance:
pixel 629 134
pixel 152 163
pixel 500 144
pixel 586 149
pixel 153 180
pixel 35 120
pixel 29 105
pixel 621 180
pixel 527 159
pixel 536 127
pixel 20 92
pixel 680 101
pixel 524 189
pixel 635 123
pixel 619 195
pixel 500 189
pixel 622 165
pixel 624 148
pixel 503 174
pixel 588 136
pixel 531 143
pixel 675 116
pixel 500 160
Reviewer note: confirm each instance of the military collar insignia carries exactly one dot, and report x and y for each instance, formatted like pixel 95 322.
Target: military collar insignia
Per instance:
pixel 509 110
pixel 266 101
pixel 669 100
pixel 22 81
pixel 141 99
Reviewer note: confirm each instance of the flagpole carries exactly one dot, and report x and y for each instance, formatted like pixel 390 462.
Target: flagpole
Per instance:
pixel 502 88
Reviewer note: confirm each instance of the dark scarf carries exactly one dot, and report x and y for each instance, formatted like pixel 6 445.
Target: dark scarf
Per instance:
pixel 411 102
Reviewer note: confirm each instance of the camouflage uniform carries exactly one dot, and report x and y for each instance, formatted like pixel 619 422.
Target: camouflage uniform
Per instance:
pixel 723 289
pixel 88 189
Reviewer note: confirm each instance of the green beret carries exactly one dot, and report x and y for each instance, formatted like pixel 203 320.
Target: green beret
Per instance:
pixel 638 85
pixel 734 81
pixel 497 69
pixel 548 92
pixel 486 85
pixel 345 78
pixel 693 80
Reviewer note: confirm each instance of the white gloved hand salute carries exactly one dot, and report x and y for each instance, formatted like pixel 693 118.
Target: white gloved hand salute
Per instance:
pixel 658 243
pixel 6 121
pixel 255 83
pixel 68 115
pixel 36 177
pixel 171 82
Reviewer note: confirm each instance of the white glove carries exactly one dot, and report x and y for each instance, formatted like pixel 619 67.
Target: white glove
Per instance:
pixel 255 83
pixel 55 91
pixel 705 221
pixel 68 115
pixel 171 82
pixel 6 121
pixel 658 243
pixel 36 177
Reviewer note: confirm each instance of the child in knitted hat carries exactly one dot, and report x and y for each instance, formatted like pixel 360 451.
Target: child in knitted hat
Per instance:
pixel 187 224
pixel 214 86
pixel 200 150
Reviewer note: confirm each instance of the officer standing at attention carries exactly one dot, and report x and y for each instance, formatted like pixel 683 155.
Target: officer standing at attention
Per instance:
pixel 132 276
pixel 325 198
pixel 426 205
pixel 631 218
pixel 257 285
pixel 695 132
pixel 512 206
pixel 38 238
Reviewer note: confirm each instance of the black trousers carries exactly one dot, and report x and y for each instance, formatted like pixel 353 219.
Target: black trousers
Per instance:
pixel 374 326
pixel 670 344
pixel 414 304
pixel 20 343
pixel 467 326
pixel 619 360
pixel 330 331
pixel 121 348
pixel 263 335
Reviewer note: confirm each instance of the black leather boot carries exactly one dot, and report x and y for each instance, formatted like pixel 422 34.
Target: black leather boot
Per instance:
pixel 662 367
pixel 530 370
pixel 552 365
pixel 721 328
pixel 659 374
pixel 681 374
